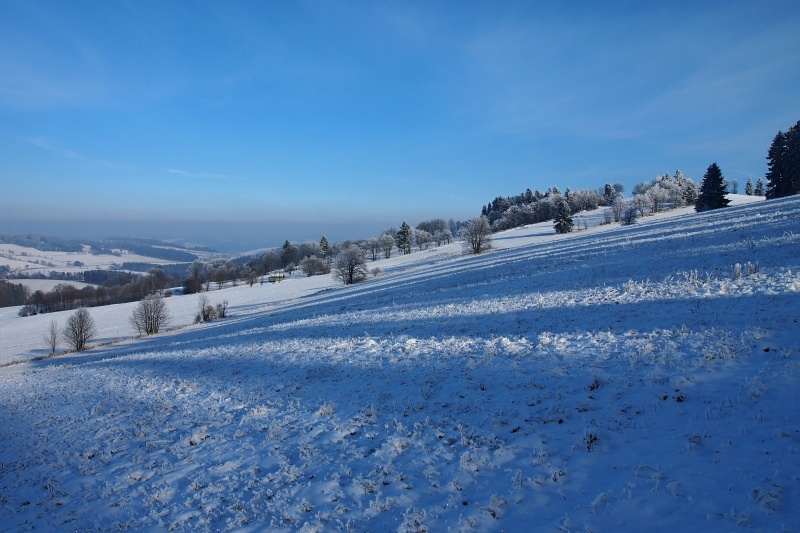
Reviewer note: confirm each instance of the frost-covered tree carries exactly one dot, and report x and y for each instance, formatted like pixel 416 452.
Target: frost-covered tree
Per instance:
pixel 477 234
pixel 609 194
pixel 150 316
pixel 563 218
pixel 641 202
pixel 324 248
pixel 79 329
pixel 351 265
pixel 712 190
pixel 52 336
pixel 748 188
pixel 373 246
pixel 628 215
pixel 405 238
pixel 387 245
pixel 443 237
pixel 422 238
pixel 665 191
pixel 311 266
pixel 658 196
pixel 617 207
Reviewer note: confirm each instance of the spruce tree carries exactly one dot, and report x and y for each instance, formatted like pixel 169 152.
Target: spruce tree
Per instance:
pixel 759 187
pixel 783 163
pixel 748 188
pixel 404 238
pixel 324 247
pixel 776 167
pixel 712 190
pixel 563 218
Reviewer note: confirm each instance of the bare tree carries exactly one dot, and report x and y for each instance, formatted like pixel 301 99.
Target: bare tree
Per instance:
pixel 150 315
pixel 79 329
pixel 477 234
pixel 351 265
pixel 52 336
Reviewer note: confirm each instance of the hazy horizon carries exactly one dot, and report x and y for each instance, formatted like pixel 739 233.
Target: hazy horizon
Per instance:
pixel 229 237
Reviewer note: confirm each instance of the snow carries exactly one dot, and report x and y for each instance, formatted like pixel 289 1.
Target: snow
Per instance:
pixel 612 379
pixel 30 261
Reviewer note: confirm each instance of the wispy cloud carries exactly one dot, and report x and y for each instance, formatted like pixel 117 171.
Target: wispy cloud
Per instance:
pixel 46 144
pixel 205 175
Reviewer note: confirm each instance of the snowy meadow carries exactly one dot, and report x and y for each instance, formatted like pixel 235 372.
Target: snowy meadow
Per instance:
pixel 612 379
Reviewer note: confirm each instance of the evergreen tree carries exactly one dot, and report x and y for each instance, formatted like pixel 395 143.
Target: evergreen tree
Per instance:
pixel 529 198
pixel 759 187
pixel 569 197
pixel 748 188
pixel 404 238
pixel 324 247
pixel 783 163
pixel 712 190
pixel 609 194
pixel 563 218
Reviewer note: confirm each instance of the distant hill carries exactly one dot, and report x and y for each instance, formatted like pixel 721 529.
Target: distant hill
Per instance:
pixel 45 243
pixel 145 247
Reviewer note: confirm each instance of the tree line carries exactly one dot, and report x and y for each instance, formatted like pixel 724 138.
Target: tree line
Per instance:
pixel 667 191
pixel 119 287
pixel 348 258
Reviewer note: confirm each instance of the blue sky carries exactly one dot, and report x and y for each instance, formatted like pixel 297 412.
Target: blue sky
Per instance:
pixel 290 120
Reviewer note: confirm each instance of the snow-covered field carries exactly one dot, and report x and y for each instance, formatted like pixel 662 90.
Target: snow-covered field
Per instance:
pixel 612 379
pixel 30 261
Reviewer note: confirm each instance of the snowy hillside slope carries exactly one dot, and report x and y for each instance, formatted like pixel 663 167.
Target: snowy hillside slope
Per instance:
pixel 613 379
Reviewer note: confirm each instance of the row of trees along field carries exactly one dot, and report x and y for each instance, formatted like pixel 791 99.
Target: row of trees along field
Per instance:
pixel 314 258
pixel 114 287
pixel 111 287
pixel 664 192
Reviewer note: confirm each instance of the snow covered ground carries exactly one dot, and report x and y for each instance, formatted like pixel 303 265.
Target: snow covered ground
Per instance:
pixel 611 379
pixel 30 261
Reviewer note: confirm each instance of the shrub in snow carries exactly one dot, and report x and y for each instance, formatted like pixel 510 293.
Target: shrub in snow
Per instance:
pixel 628 216
pixel 205 311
